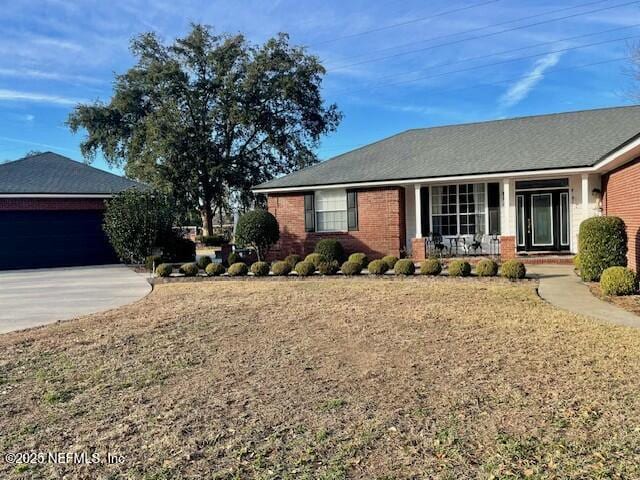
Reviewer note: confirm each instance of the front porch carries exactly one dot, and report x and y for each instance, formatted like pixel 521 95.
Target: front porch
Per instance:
pixel 533 219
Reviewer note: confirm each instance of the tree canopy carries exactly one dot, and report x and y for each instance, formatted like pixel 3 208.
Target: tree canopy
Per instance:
pixel 209 115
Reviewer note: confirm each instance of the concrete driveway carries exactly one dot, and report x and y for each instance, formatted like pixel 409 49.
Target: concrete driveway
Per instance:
pixel 29 298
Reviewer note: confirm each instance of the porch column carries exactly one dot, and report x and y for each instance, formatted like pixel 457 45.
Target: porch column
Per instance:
pixel 418 200
pixel 506 192
pixel 507 237
pixel 585 195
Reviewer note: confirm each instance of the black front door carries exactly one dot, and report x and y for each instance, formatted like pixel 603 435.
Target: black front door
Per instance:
pixel 542 220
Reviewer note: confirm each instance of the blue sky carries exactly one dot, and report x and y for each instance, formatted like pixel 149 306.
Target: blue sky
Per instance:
pixel 392 64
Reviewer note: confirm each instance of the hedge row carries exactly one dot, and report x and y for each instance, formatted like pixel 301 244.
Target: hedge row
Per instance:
pixel 357 262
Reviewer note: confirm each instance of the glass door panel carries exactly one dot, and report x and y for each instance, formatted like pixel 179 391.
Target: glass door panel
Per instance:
pixel 541 219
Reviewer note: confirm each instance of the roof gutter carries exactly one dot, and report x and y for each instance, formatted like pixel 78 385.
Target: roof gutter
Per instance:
pixel 623 154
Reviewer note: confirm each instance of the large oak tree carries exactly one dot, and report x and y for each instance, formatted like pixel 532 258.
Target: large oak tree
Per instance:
pixel 209 115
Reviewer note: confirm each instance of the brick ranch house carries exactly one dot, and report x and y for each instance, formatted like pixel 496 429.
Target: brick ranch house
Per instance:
pixel 51 212
pixel 519 187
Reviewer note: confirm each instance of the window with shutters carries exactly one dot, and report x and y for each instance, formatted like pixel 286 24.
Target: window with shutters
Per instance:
pixel 331 210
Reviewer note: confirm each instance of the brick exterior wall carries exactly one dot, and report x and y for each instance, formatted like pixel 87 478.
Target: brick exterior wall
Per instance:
pixel 381 224
pixel 621 198
pixel 14 204
pixel 507 247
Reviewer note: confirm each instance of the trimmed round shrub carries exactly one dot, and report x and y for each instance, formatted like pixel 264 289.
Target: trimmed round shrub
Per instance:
pixel 390 260
pixel 151 260
pixel 513 270
pixel 164 270
pixel 328 268
pixel 204 261
pixel 214 269
pixel 189 269
pixel 349 268
pixel 459 268
pixel 238 269
pixel 331 249
pixel 377 267
pixel 360 258
pixel 259 230
pixel 618 281
pixel 233 258
pixel 281 268
pixel 404 267
pixel 486 268
pixel 602 243
pixel 431 266
pixel 305 269
pixel 293 260
pixel 260 269
pixel 315 259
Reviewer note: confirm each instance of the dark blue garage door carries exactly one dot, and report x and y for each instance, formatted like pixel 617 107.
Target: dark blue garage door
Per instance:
pixel 39 239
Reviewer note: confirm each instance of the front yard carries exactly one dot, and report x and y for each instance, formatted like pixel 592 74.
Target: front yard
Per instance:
pixel 327 379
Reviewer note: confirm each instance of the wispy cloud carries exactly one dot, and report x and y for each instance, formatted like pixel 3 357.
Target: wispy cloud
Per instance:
pixel 17 96
pixel 519 90
pixel 42 75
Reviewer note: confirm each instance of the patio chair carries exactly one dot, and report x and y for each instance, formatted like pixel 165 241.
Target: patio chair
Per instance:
pixel 436 243
pixel 476 243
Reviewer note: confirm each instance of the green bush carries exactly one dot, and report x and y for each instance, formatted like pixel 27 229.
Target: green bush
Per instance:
pixel 377 267
pixel 459 268
pixel 216 240
pixel 430 266
pixel 349 268
pixel 331 249
pixel 487 268
pixel 204 261
pixel 164 270
pixel 315 259
pixel 305 269
pixel 260 269
pixel 214 269
pixel 328 268
pixel 179 249
pixel 513 270
pixel 189 269
pixel 602 243
pixel 360 258
pixel 259 230
pixel 293 260
pixel 404 267
pixel 151 260
pixel 390 260
pixel 619 281
pixel 281 268
pixel 234 257
pixel 238 269
pixel 137 222
pixel 576 261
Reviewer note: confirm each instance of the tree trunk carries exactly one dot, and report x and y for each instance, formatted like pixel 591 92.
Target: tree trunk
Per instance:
pixel 207 219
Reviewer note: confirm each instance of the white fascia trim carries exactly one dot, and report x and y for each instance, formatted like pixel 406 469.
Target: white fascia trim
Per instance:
pixel 434 180
pixel 619 157
pixel 53 195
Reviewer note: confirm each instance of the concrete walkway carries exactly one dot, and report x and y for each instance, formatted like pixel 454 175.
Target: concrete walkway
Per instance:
pixel 561 287
pixel 29 298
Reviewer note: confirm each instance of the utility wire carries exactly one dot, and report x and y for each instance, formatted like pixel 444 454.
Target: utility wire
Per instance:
pixel 477 37
pixel 503 52
pixel 400 24
pixel 562 50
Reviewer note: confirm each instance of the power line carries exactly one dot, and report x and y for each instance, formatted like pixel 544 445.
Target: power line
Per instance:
pixel 568 49
pixel 400 24
pixel 477 37
pixel 503 52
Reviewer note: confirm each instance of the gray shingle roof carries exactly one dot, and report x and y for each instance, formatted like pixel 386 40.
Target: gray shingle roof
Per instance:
pixel 560 140
pixel 50 173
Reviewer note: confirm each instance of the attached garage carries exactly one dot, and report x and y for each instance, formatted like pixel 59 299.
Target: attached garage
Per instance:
pixel 51 212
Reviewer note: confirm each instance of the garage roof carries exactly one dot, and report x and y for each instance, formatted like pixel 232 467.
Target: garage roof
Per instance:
pixel 543 142
pixel 50 173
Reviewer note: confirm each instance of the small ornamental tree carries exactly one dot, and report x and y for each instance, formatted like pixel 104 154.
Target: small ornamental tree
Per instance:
pixel 259 230
pixel 138 221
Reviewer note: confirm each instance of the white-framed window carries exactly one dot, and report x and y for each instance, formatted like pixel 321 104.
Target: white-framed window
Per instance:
pixel 331 210
pixel 459 209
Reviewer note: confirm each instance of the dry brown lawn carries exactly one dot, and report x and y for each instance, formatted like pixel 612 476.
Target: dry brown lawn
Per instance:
pixel 327 379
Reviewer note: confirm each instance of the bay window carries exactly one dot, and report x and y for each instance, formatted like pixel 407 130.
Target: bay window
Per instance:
pixel 459 209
